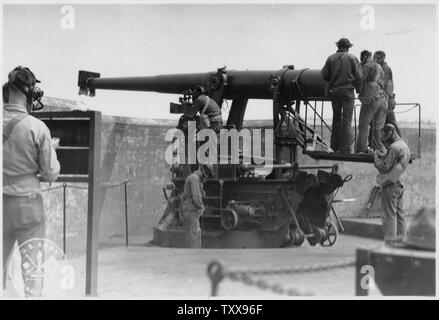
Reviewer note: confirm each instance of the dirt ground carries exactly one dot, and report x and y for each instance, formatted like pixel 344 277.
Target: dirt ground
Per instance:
pixel 146 271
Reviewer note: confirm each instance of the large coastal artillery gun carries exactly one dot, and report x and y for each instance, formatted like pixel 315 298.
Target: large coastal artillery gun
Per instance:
pixel 289 204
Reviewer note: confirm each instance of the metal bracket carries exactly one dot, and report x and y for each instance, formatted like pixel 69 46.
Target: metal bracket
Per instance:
pixel 83 78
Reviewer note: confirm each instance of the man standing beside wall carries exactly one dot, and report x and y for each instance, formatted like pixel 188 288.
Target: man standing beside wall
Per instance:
pixel 27 151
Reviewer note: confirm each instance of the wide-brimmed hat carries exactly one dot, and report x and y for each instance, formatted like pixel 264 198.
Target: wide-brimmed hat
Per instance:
pixel 344 43
pixel 380 54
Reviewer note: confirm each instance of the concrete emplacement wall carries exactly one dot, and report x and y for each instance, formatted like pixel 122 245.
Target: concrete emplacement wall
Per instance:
pixel 135 149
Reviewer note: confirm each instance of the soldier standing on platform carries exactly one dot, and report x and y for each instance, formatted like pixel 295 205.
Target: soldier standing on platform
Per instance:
pixel 343 73
pixel 373 107
pixel 388 90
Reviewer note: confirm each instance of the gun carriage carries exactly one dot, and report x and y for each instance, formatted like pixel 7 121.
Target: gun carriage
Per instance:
pixel 288 204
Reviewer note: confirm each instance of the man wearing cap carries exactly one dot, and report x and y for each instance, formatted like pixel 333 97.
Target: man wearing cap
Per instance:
pixel 388 89
pixel 343 73
pixel 373 103
pixel 210 112
pixel 27 151
pixel 391 165
pixel 192 206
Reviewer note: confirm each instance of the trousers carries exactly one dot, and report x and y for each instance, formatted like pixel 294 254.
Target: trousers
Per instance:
pixel 216 126
pixel 23 220
pixel 342 107
pixel 390 118
pixel 373 113
pixel 377 124
pixel 191 222
pixel 392 211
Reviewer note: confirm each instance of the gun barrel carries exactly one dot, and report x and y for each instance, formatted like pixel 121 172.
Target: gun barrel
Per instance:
pixel 238 84
pixel 296 84
pixel 176 83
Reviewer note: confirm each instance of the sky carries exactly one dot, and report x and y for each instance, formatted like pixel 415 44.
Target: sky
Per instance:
pixel 151 39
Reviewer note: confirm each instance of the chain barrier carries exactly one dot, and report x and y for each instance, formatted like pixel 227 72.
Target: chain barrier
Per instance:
pixel 404 111
pixel 107 185
pixel 265 285
pixel 103 186
pixel 62 187
pixel 52 189
pixel 75 187
pixel 217 273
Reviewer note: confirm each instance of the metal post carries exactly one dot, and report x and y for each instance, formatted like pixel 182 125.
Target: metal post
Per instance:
pixel 126 214
pixel 306 126
pixel 340 225
pixel 321 122
pixel 355 125
pixel 216 274
pixel 94 205
pixel 419 130
pixel 275 92
pixel 315 114
pixel 221 182
pixel 64 218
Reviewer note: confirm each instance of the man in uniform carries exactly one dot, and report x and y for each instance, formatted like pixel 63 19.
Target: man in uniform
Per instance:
pixel 388 89
pixel 373 104
pixel 27 151
pixel 192 206
pixel 210 112
pixel 343 73
pixel 391 165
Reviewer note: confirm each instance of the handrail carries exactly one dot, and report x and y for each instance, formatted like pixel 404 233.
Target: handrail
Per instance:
pixel 323 123
pixel 414 106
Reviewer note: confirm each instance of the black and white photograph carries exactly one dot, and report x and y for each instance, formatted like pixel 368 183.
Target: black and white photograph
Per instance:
pixel 210 150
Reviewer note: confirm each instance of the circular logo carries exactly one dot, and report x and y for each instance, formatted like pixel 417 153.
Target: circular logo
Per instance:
pixel 39 268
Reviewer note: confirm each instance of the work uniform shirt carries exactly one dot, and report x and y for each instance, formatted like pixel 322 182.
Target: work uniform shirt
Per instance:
pixel 373 81
pixel 393 165
pixel 213 111
pixel 342 70
pixel 26 152
pixel 193 192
